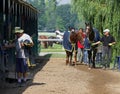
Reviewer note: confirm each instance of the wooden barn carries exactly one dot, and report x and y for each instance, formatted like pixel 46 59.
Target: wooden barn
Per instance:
pixel 15 13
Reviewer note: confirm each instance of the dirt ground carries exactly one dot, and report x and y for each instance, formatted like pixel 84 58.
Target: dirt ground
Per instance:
pixel 52 76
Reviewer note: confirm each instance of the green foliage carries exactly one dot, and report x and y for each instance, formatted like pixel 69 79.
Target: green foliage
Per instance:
pixel 52 16
pixel 59 23
pixel 55 55
pixel 64 14
pixel 40 5
pixel 103 14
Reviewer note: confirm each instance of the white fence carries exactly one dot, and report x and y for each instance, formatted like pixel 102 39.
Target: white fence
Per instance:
pixel 46 34
pixel 60 40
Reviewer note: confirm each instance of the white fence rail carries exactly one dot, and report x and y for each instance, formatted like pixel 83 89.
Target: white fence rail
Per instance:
pixel 60 40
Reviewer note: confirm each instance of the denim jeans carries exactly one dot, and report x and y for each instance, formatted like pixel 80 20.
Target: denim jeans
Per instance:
pixel 80 55
pixel 85 56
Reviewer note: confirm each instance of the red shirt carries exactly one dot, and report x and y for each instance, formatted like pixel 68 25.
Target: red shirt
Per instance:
pixel 79 44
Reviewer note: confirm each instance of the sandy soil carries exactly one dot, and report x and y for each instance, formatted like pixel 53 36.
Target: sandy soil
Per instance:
pixel 52 76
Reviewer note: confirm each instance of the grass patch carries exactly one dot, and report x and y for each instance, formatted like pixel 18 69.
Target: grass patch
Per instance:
pixel 52 50
pixel 55 48
pixel 55 56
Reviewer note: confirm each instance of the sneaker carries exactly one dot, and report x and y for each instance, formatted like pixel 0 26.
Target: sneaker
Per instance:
pixel 23 84
pixel 89 68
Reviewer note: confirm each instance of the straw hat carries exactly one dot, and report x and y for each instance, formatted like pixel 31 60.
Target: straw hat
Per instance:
pixel 17 28
pixel 19 31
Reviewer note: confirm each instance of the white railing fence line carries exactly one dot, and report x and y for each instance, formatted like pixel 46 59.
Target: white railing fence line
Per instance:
pixel 60 40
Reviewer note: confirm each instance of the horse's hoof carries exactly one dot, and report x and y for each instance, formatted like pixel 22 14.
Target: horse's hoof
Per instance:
pixel 89 68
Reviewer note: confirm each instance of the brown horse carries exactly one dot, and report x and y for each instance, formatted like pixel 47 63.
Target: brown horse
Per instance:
pixel 70 45
pixel 44 43
pixel 92 36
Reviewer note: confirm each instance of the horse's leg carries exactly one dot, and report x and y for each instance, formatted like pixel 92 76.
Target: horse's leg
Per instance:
pixel 67 61
pixel 89 57
pixel 94 55
pixel 71 54
pixel 45 44
pixel 67 57
pixel 75 57
pixel 75 54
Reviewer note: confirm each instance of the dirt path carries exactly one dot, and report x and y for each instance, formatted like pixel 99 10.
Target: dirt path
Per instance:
pixel 103 81
pixel 54 77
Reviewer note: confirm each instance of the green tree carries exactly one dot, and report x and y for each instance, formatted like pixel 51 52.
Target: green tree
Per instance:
pixel 50 14
pixel 64 14
pixel 40 5
pixel 102 13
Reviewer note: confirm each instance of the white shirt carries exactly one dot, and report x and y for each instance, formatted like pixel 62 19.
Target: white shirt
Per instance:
pixel 20 52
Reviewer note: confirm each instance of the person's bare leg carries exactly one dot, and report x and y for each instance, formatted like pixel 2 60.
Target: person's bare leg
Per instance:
pixel 19 75
pixel 25 76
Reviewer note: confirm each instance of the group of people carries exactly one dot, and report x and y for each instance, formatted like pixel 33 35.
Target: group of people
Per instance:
pixel 87 47
pixel 107 40
pixel 24 41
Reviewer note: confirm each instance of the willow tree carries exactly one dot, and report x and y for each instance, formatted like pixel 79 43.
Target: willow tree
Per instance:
pixel 102 13
pixel 114 20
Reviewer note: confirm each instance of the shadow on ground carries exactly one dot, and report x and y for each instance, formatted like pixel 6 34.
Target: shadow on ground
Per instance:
pixel 8 85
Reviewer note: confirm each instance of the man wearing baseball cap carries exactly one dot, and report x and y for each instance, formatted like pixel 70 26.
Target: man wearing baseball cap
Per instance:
pixel 107 40
pixel 106 30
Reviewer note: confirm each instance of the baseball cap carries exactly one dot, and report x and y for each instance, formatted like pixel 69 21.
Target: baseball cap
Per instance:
pixel 106 30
